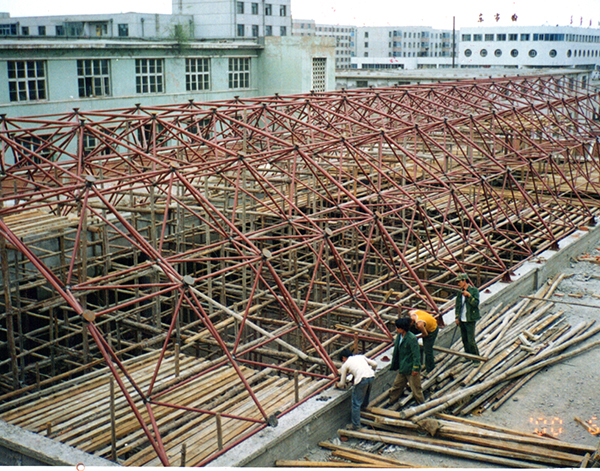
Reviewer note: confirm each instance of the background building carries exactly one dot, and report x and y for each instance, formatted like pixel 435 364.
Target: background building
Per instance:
pixel 344 35
pixel 529 47
pixel 55 63
pixel 402 47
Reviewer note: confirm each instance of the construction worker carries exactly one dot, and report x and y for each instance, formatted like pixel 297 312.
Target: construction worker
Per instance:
pixel 425 324
pixel 406 360
pixel 363 372
pixel 466 312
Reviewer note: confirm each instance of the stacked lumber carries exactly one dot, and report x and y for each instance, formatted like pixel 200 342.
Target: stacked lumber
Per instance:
pixel 347 457
pixel 515 344
pixel 459 437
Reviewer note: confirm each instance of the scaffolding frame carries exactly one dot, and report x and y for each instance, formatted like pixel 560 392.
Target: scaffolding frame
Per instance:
pixel 268 233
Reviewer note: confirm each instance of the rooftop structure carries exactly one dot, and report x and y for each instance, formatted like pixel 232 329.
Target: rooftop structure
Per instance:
pixel 241 244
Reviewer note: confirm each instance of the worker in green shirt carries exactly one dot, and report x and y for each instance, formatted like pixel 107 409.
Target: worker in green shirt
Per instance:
pixel 406 360
pixel 466 311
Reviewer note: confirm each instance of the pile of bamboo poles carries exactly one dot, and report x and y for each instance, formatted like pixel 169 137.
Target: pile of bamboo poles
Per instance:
pixel 468 439
pixel 515 344
pixel 347 457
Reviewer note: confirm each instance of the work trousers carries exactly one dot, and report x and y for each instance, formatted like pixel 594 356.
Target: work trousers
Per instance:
pixel 467 332
pixel 400 385
pixel 428 349
pixel 360 398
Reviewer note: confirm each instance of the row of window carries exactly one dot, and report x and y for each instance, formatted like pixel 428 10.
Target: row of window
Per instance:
pixel 533 53
pixel 71 29
pixel 27 80
pixel 536 37
pixel 241 30
pixel 241 9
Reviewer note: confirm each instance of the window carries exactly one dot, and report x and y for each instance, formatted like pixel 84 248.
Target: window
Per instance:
pixel 268 9
pixel 318 74
pixel 93 77
pixel 240 30
pixel 8 30
pixel 149 76
pixel 197 74
pixel 466 37
pixel 367 44
pixel 240 8
pixel 282 10
pixel 123 30
pixel 468 52
pixel 362 83
pixel 497 52
pixel 513 37
pixel 268 30
pixel 239 72
pixel 100 29
pixel 60 30
pixel 34 148
pixel 255 9
pixel 41 31
pixel 525 37
pixel 255 31
pixel 283 31
pixel 24 30
pixel 514 53
pixel 26 80
pixel 477 37
pixel 366 35
pixel 75 29
pixel 552 53
pixel 532 53
pixel 501 37
pixel 489 37
pixel 483 52
pixel 569 53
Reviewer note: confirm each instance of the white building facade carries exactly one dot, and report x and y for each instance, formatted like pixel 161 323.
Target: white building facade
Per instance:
pixel 403 47
pixel 529 47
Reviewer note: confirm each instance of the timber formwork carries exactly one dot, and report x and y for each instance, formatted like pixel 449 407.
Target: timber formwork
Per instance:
pixel 244 243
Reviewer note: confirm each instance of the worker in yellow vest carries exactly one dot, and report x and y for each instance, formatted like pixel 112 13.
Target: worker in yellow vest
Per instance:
pixel 425 324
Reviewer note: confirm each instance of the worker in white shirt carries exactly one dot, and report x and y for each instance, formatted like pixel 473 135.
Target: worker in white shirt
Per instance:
pixel 363 371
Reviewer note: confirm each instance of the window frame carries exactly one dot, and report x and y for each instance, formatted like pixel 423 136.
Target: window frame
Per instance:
pixel 152 66
pixel 93 75
pixel 238 73
pixel 197 74
pixel 27 82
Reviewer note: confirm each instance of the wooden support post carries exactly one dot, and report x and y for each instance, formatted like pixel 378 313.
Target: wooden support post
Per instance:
pixel 113 422
pixel 49 429
pixel 37 375
pixel 219 432
pixel 177 360
pixel 296 389
pixel 183 453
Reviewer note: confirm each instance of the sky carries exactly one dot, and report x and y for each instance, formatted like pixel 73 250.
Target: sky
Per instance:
pixel 436 13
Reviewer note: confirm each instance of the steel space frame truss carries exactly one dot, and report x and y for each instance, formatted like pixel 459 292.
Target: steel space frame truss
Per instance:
pixel 282 226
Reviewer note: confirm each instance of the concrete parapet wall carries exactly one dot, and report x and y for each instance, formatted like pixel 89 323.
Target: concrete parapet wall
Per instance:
pixel 20 447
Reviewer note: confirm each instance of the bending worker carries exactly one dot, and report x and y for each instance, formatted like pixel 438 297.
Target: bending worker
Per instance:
pixel 363 371
pixel 467 313
pixel 425 324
